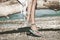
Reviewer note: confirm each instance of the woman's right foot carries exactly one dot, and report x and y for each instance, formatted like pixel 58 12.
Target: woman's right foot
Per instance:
pixel 34 30
pixel 35 33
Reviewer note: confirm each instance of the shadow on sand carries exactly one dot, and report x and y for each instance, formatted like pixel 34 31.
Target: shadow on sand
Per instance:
pixel 26 29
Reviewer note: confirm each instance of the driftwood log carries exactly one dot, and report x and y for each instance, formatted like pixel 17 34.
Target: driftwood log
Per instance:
pixel 9 9
pixel 42 23
pixel 5 10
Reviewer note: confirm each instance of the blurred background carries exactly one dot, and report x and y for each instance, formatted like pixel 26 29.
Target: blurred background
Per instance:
pixel 47 16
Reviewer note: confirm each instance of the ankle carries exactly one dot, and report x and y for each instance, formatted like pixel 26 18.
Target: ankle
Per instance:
pixel 33 27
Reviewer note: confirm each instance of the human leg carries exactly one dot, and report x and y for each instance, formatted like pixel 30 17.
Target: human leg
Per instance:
pixel 29 11
pixel 34 29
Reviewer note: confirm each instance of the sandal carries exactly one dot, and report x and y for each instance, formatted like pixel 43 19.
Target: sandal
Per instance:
pixel 35 32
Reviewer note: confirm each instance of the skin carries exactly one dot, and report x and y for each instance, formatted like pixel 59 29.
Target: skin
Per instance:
pixel 31 14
